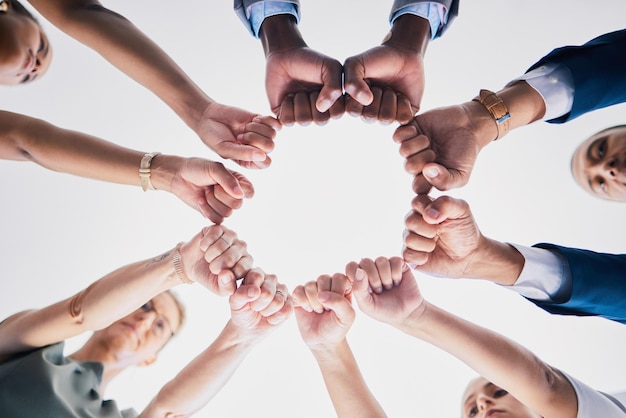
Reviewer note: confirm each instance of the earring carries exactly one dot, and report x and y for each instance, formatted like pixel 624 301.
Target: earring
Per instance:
pixel 4 6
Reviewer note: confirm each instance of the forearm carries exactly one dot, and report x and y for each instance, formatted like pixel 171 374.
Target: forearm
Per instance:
pixel 102 303
pixel 496 261
pixel 498 359
pixel 27 139
pixel 347 389
pixel 127 48
pixel 202 378
pixel 280 33
pixel 409 32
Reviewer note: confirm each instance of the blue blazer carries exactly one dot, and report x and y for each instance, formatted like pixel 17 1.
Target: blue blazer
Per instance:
pixel 598 284
pixel 599 71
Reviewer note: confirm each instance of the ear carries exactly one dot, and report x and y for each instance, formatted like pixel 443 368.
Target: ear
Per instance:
pixel 148 361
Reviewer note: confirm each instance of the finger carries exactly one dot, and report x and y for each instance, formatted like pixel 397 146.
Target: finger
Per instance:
pixel 264 143
pixel 398 266
pixel 405 112
pixel 338 108
pixel 218 246
pixel 337 303
pixel 405 132
pixel 416 224
pixel 332 90
pixel 229 183
pixel 254 278
pixel 255 164
pixel 444 208
pixel 228 258
pixel 226 283
pixel 370 112
pixel 286 111
pixel 415 258
pixel 223 202
pixel 384 272
pixel 209 235
pixel 442 178
pixel 300 299
pixel 268 121
pixel 413 145
pixel 242 296
pixel 351 269
pixel 353 108
pixel 419 243
pixel 420 185
pixel 415 163
pixel 277 303
pixel 246 185
pixel 388 107
pixel 311 291
pixel 319 118
pixel 239 152
pixel 206 209
pixel 302 108
pixel 341 284
pixel 354 81
pixel 243 266
pixel 369 267
pixel 268 290
pixel 282 315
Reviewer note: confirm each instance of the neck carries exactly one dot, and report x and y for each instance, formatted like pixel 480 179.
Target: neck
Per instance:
pixel 92 351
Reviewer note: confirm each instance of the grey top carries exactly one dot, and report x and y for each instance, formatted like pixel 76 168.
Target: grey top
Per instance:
pixel 45 383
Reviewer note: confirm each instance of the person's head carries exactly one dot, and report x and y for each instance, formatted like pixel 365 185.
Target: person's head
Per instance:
pixel 137 338
pixel 599 164
pixel 25 52
pixel 483 399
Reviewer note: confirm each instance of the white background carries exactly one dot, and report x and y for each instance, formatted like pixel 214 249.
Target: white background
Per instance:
pixel 333 194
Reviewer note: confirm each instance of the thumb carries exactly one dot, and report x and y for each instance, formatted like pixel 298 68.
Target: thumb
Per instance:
pixel 360 289
pixel 354 82
pixel 442 178
pixel 226 283
pixel 338 304
pixel 239 152
pixel 222 176
pixel 332 85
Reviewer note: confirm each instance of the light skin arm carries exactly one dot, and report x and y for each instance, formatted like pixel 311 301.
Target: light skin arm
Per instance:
pixel 496 358
pixel 206 186
pixel 442 145
pixel 258 306
pixel 303 86
pixel 325 314
pixel 443 238
pixel 386 83
pixel 231 132
pixel 124 290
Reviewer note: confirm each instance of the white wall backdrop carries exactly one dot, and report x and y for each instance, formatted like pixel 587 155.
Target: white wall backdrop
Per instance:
pixel 333 194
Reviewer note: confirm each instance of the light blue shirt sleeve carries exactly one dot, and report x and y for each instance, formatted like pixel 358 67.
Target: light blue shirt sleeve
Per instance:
pixel 258 11
pixel 555 84
pixel 435 13
pixel 542 277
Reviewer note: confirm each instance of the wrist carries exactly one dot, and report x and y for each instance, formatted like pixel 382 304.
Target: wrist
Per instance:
pixel 415 319
pixel 280 33
pixel 163 169
pixel 495 261
pixel 409 32
pixel 328 353
pixel 243 338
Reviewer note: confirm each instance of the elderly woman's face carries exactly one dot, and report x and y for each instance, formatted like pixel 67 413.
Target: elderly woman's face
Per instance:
pixel 599 164
pixel 25 52
pixel 483 399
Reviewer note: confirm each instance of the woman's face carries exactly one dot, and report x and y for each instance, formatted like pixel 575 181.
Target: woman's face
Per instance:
pixel 483 399
pixel 25 51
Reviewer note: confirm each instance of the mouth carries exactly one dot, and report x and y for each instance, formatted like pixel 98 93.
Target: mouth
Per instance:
pixel 132 331
pixel 493 412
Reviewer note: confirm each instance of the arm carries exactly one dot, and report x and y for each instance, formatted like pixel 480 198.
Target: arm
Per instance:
pixel 222 128
pixel 257 307
pixel 302 85
pixel 325 314
pixel 206 258
pixel 498 359
pixel 206 186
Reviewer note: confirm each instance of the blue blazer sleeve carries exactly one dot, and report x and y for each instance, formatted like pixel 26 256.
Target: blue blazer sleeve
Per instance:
pixel 240 7
pixel 598 284
pixel 598 69
pixel 451 5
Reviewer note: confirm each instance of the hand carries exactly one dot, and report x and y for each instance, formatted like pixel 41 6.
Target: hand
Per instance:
pixel 441 146
pixel 216 259
pixel 204 185
pixel 323 310
pixel 441 236
pixel 239 135
pixel 259 304
pixel 385 83
pixel 302 84
pixel 394 294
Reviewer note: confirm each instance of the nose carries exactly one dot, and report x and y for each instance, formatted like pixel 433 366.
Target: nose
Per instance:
pixel 483 402
pixel 145 321
pixel 609 167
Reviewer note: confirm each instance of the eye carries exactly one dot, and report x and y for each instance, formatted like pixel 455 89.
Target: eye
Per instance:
pixel 160 324
pixel 42 44
pixel 26 79
pixel 147 307
pixel 602 184
pixel 472 412
pixel 601 149
pixel 500 393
